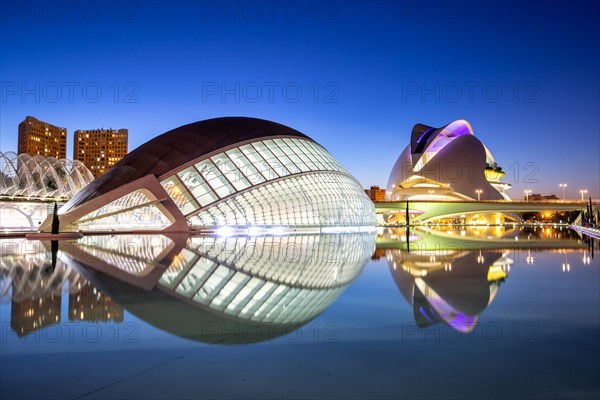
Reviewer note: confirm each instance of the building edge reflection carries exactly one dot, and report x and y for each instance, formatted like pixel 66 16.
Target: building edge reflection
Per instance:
pixel 227 297
pixel 35 282
pixel 453 288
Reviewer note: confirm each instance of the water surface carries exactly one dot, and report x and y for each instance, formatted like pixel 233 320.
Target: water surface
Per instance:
pixel 349 315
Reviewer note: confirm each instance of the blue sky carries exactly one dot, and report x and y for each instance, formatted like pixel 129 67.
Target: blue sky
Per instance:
pixel 355 76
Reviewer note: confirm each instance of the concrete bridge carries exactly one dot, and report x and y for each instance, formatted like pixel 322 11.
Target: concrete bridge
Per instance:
pixel 426 210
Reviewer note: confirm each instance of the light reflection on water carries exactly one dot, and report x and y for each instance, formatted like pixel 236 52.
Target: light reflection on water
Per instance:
pixel 153 293
pixel 212 289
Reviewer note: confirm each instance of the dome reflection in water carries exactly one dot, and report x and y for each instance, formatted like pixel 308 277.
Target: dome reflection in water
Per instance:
pixel 230 290
pixel 452 288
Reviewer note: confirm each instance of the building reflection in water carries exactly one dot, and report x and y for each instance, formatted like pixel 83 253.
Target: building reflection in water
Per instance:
pixel 240 289
pixel 29 315
pixel 452 287
pixel 237 289
pixel 505 236
pixel 90 304
pixel 35 289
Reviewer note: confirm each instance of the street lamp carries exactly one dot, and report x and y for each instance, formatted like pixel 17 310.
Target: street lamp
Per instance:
pixel 527 193
pixel 563 186
pixel 582 192
pixel 478 191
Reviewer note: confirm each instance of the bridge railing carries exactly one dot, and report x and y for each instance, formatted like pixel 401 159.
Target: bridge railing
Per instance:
pixel 595 202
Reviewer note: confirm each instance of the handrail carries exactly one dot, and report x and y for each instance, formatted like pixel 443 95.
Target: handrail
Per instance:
pixel 596 202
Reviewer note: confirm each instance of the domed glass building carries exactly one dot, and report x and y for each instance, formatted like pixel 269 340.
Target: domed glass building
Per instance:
pixel 237 173
pixel 447 163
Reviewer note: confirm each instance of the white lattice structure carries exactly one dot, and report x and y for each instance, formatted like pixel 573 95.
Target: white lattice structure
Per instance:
pixel 36 177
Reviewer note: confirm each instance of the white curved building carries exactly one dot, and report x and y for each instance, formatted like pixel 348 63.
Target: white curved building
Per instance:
pixel 447 163
pixel 36 177
pixel 28 184
pixel 237 173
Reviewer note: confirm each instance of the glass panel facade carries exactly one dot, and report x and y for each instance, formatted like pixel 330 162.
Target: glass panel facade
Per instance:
pixel 197 186
pixel 317 191
pixel 180 195
pixel 256 159
pixel 320 199
pixel 271 159
pixel 282 157
pixel 231 171
pixel 276 279
pixel 245 166
pixel 132 211
pixel 215 179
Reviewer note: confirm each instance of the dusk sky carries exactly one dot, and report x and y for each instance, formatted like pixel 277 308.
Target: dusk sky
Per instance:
pixel 355 76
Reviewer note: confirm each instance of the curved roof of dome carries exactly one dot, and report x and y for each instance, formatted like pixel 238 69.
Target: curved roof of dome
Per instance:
pixel 180 146
pixel 423 135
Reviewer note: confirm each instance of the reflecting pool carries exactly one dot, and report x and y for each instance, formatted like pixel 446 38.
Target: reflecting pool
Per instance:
pixel 490 312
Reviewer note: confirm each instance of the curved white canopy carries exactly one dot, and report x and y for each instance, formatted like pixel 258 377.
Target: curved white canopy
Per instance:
pixel 41 177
